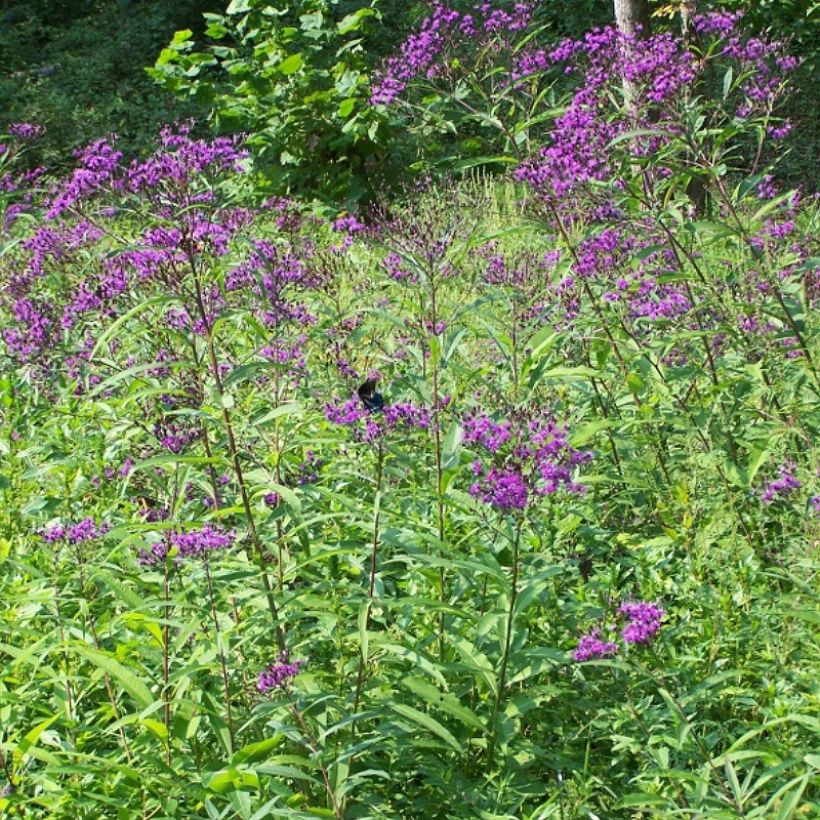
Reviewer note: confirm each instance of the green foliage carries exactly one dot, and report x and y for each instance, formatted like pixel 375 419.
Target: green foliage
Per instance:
pixel 796 21
pixel 437 630
pixel 296 79
pixel 78 70
pixel 180 366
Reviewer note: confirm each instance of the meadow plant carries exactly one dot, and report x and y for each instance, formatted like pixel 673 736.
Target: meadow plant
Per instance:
pixel 526 468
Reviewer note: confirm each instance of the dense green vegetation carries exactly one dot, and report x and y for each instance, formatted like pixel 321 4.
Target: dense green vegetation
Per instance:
pixel 78 69
pixel 444 446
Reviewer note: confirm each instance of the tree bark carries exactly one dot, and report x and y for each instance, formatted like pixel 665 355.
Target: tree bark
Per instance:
pixel 688 8
pixel 632 17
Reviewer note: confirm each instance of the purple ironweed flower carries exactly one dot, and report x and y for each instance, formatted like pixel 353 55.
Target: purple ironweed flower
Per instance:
pixel 99 163
pixel 644 621
pixel 278 675
pixel 348 224
pixel 505 490
pixel 25 130
pixel 407 414
pixel 368 428
pixel 722 23
pixel 766 189
pixel 396 269
pixel 198 543
pixel 781 487
pixel 80 532
pixel 591 646
pixel 308 470
pixel 156 554
pixel 445 28
pixel 56 532
pixel 528 456
pixel 814 502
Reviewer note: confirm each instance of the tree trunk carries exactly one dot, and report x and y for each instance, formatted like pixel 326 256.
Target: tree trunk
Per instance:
pixel 632 17
pixel 688 8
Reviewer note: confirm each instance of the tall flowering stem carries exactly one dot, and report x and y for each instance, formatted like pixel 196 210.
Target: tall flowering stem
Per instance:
pixel 604 324
pixel 523 459
pixel 166 655
pixel 505 656
pixel 374 552
pixel 419 242
pixel 259 549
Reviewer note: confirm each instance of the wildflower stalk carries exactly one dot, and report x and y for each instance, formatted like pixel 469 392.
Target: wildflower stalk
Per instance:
pixel 166 658
pixel 605 327
pixel 778 295
pixel 222 660
pixel 280 536
pixel 237 465
pixel 373 566
pixel 440 510
pixel 206 564
pixel 69 692
pixel 109 689
pixel 505 657
pixel 311 742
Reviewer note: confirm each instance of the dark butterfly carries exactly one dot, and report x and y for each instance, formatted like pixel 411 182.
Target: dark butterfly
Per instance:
pixel 371 398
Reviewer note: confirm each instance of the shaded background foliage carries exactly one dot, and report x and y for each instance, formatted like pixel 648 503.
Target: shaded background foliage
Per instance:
pixel 80 70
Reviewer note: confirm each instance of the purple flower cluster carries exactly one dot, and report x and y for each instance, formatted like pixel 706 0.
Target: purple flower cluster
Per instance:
pixel 591 646
pixel 278 675
pixel 396 268
pixel 444 30
pixel 349 226
pixel 368 427
pixel 504 489
pixel 99 162
pixel 579 150
pixel 527 455
pixel 764 63
pixel 198 543
pixel 627 273
pixel 721 23
pixel 782 487
pixel 643 621
pixel 79 533
pixel 190 544
pixel 155 555
pixel 173 189
pixel 642 624
pixel 25 130
pixel 182 160
pixel 308 470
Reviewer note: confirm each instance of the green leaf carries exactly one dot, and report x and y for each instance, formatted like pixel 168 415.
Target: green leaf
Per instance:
pixel 256 751
pixel 30 740
pixel 346 107
pixel 353 21
pixel 427 722
pixel 637 799
pixel 441 700
pixel 230 779
pixel 129 681
pixel 290 65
